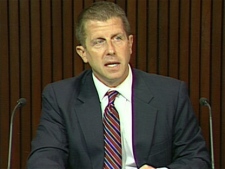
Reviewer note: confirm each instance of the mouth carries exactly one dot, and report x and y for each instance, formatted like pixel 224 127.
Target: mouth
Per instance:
pixel 112 64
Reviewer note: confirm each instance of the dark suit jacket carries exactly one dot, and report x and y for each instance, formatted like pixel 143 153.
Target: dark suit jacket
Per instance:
pixel 165 130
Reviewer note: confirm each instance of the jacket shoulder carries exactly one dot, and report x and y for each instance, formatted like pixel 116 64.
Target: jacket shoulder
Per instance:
pixel 67 86
pixel 155 79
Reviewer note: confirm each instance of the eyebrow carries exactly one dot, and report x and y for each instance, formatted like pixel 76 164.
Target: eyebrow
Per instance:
pixel 116 34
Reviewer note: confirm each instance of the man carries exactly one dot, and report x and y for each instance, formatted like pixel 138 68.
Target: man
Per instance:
pixel 156 126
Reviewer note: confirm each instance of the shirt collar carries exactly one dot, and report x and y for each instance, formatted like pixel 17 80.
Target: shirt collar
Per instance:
pixel 124 88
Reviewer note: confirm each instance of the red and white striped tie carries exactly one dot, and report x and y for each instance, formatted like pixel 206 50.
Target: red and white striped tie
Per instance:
pixel 112 136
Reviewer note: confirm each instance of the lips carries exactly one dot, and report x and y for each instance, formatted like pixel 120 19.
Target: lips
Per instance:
pixel 112 64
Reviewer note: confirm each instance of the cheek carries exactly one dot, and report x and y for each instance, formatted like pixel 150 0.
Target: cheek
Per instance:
pixel 89 56
pixel 93 60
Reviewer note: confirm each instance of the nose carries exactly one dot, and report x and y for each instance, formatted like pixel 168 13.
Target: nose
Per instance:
pixel 111 48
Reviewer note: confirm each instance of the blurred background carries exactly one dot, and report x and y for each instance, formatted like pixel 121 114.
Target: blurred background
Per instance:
pixel 184 39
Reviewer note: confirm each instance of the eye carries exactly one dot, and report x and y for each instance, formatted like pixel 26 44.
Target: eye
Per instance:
pixel 98 42
pixel 118 38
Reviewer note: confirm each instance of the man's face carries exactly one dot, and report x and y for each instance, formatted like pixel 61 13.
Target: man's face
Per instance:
pixel 108 50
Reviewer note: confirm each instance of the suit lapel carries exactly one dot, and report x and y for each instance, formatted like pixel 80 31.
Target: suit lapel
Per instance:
pixel 144 117
pixel 88 111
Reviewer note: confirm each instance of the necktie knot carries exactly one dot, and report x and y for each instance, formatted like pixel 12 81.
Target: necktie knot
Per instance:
pixel 112 96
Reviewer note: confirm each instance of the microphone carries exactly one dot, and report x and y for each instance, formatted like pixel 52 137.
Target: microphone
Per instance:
pixel 204 102
pixel 21 102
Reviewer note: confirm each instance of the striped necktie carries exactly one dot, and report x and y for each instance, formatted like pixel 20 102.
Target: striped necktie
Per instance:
pixel 112 136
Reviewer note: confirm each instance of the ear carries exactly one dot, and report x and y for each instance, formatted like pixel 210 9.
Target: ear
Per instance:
pixel 130 39
pixel 81 51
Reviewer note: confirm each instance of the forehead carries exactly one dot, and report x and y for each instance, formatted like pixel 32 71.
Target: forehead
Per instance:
pixel 112 25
